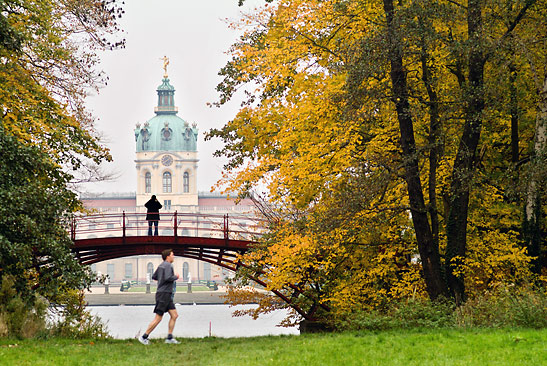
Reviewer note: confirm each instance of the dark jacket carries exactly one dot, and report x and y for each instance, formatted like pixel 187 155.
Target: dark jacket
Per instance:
pixel 152 210
pixel 165 276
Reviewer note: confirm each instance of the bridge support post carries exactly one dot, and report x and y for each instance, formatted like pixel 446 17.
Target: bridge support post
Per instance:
pixel 123 226
pixel 73 229
pixel 226 233
pixel 176 226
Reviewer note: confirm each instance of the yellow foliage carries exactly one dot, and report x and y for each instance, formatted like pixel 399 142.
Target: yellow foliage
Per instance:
pixel 47 70
pixel 320 131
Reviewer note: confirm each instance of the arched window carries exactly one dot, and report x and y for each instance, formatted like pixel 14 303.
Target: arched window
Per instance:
pixel 185 269
pixel 186 182
pixel 148 182
pixel 145 137
pixel 167 182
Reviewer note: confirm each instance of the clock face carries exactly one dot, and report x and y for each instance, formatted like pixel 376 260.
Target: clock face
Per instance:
pixel 166 160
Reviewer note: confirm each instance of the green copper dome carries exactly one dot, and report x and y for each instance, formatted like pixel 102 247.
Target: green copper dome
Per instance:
pixel 166 131
pixel 165 85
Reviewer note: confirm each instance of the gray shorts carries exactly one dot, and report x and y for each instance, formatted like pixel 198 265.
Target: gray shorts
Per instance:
pixel 164 303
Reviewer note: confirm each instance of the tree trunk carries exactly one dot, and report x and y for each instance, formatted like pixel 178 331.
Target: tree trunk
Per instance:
pixel 536 183
pixel 428 248
pixel 435 147
pixel 514 111
pixel 456 226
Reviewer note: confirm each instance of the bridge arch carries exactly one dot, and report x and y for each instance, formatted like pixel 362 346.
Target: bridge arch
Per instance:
pixel 220 241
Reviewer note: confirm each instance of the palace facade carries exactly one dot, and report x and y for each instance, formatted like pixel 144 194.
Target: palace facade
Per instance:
pixel 167 163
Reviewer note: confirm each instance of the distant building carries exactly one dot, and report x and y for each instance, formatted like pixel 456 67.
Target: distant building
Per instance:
pixel 167 164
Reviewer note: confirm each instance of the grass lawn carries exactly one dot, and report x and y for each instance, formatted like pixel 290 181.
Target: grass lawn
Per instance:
pixel 427 347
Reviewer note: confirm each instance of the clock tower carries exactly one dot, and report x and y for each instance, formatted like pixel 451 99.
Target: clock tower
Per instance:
pixel 166 160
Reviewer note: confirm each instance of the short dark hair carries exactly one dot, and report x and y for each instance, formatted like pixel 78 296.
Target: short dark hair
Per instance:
pixel 166 253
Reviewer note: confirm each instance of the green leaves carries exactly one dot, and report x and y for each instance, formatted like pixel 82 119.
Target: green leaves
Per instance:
pixel 34 215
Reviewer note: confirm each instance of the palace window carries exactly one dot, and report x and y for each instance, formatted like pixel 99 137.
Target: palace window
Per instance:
pixel 207 271
pixel 128 270
pixel 110 271
pixel 186 182
pixel 148 182
pixel 166 133
pixel 167 187
pixel 145 134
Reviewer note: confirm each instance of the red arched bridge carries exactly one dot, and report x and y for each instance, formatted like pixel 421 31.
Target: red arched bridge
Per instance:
pixel 216 239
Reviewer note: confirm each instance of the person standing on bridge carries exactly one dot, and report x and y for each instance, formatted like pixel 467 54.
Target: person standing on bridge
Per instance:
pixel 153 207
pixel 165 276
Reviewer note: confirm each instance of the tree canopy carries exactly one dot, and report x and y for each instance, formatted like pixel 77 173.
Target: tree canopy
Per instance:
pixel 395 138
pixel 47 65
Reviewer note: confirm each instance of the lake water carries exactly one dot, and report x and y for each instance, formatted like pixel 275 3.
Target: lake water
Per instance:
pixel 194 321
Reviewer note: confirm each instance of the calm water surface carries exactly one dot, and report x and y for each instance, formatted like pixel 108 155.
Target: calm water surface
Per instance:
pixel 194 320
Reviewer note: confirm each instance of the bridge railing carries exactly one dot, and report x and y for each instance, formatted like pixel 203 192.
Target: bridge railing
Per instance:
pixel 124 224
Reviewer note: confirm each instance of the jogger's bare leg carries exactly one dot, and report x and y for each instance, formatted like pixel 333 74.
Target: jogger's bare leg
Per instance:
pixel 174 316
pixel 154 323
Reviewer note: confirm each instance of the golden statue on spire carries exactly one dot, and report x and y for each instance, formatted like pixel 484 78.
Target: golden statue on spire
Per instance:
pixel 165 63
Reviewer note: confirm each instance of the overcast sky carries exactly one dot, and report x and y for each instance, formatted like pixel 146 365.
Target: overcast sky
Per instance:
pixel 194 35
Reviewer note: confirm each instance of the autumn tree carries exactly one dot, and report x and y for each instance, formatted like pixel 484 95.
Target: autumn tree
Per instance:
pixel 532 46
pixel 394 94
pixel 48 64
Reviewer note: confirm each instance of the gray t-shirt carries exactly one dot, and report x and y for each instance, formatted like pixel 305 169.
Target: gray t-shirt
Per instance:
pixel 165 275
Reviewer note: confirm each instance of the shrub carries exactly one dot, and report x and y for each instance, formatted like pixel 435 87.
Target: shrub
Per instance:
pixel 74 320
pixel 22 320
pixel 18 319
pixel 402 315
pixel 505 306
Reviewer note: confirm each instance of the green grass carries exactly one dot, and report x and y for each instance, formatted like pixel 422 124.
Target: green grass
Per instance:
pixel 427 347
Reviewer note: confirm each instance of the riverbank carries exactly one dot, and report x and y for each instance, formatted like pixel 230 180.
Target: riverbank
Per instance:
pixel 97 297
pixel 521 347
pixel 135 298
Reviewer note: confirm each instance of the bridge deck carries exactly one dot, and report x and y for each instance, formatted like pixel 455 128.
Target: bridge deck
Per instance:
pixel 217 239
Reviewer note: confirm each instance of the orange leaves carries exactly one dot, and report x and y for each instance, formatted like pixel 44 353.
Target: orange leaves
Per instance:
pixel 295 258
pixel 320 132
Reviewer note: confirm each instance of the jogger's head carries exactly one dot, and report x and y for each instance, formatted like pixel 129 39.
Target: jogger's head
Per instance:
pixel 166 253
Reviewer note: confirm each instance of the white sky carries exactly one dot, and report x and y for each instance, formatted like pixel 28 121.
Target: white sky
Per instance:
pixel 194 35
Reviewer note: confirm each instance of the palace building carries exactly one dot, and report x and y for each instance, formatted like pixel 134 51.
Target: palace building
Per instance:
pixel 167 164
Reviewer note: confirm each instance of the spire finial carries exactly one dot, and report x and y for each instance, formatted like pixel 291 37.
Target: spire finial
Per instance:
pixel 165 63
